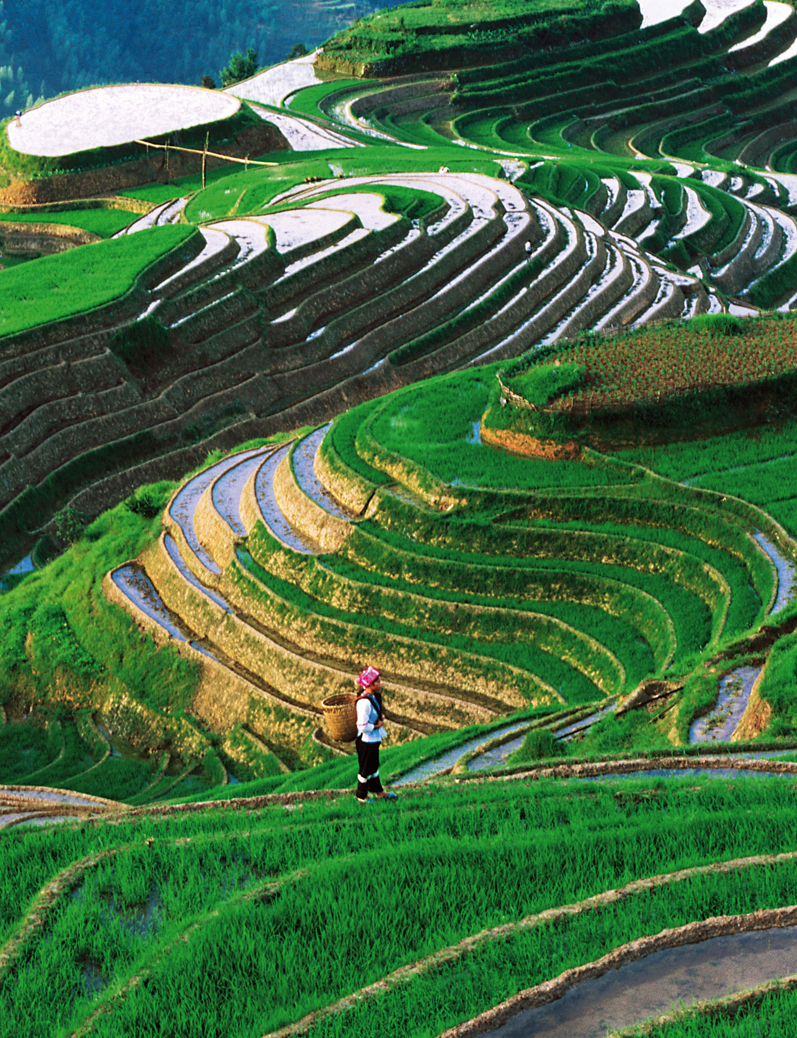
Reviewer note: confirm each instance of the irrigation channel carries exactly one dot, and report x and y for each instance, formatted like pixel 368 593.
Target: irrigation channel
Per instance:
pixel 674 977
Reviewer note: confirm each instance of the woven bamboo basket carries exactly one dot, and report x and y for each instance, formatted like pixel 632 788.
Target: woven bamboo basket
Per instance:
pixel 341 716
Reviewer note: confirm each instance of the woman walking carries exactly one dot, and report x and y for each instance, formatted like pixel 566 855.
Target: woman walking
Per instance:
pixel 370 732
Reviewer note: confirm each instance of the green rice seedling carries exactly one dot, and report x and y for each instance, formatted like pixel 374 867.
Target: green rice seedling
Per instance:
pixel 486 623
pixel 312 100
pixel 627 642
pixel 772 1013
pixel 24 750
pixel 687 611
pixel 512 869
pixel 82 279
pixel 633 732
pixel 460 989
pixel 347 633
pixel 539 744
pixel 104 222
pixel 745 604
pixel 757 467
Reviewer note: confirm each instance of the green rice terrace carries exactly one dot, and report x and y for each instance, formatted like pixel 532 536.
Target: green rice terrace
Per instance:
pixel 466 348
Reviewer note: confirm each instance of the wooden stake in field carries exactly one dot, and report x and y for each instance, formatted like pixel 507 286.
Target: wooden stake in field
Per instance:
pixel 205 158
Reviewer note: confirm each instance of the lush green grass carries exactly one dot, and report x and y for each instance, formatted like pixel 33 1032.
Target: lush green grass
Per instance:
pixel 104 222
pixel 432 424
pixel 250 192
pixel 758 464
pixel 515 849
pixel 64 641
pixel 56 287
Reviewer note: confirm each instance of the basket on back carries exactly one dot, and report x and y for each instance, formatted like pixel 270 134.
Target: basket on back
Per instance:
pixel 341 716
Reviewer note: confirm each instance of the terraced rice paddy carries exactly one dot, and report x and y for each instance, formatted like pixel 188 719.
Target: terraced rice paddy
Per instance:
pixel 274 332
pixel 261 872
pixel 363 293
pixel 361 545
pixel 107 116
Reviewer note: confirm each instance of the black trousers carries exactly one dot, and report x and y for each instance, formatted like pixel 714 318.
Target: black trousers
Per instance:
pixel 368 762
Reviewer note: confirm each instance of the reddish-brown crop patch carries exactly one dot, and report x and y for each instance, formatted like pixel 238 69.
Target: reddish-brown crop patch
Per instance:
pixel 656 363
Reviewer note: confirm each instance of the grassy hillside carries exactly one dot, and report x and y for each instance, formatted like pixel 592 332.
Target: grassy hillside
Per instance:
pixel 423 36
pixel 261 891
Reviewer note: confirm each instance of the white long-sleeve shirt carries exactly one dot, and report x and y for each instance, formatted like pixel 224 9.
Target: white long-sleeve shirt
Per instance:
pixel 367 716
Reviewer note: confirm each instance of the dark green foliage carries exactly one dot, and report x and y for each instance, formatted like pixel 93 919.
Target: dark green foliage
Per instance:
pixel 423 36
pixel 141 345
pixel 678 254
pixel 145 502
pixel 34 504
pixel 637 60
pixel 69 524
pixel 572 51
pixel 73 758
pixel 539 744
pixel 775 285
pixel 758 88
pixel 115 779
pixel 24 749
pixel 212 421
pixel 543 383
pixel 240 66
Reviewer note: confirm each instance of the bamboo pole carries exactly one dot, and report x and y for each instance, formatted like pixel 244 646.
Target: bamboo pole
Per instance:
pixel 212 154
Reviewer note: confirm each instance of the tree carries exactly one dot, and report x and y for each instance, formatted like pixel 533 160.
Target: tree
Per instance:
pixel 240 66
pixel 299 51
pixel 208 82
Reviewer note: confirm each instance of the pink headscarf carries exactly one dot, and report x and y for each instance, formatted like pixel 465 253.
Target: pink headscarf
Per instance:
pixel 368 677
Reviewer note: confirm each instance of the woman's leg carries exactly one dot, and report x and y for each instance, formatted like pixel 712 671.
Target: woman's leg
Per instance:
pixel 364 761
pixel 372 766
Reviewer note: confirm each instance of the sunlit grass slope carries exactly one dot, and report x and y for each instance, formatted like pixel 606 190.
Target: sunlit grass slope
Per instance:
pixel 81 280
pixel 221 922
